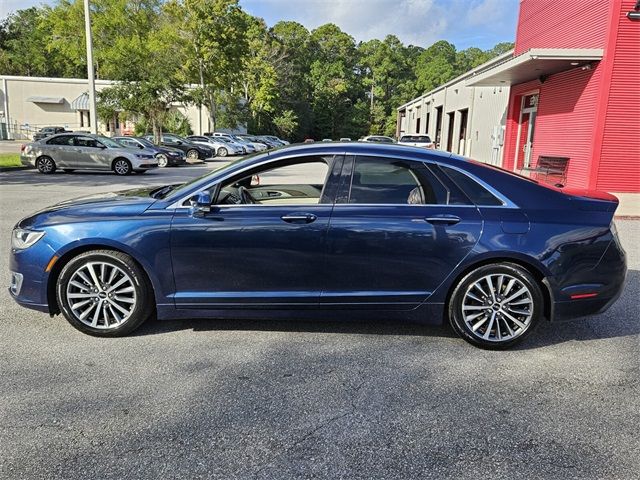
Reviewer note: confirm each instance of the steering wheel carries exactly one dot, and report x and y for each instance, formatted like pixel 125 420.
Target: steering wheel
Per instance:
pixel 245 196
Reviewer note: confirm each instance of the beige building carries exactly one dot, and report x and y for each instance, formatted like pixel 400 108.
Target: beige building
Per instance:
pixel 30 103
pixel 461 119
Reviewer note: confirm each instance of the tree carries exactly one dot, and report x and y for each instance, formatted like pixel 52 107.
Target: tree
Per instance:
pixel 286 123
pixel 212 33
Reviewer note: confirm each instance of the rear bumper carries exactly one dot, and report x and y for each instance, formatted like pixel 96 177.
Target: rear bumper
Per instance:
pixel 596 293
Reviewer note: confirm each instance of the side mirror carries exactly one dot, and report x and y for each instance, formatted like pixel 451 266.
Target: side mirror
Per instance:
pixel 200 204
pixel 178 142
pixel 141 147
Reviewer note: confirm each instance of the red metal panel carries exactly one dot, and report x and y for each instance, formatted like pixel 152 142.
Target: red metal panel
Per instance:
pixel 619 165
pixel 566 121
pixel 561 24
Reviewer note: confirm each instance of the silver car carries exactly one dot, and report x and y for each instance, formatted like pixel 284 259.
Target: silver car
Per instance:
pixel 75 151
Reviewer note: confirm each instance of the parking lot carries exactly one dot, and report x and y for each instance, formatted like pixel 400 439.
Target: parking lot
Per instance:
pixel 297 399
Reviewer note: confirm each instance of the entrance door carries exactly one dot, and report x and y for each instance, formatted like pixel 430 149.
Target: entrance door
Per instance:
pixel 526 131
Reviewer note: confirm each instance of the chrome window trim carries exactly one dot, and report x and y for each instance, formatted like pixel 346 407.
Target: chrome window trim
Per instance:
pixel 506 202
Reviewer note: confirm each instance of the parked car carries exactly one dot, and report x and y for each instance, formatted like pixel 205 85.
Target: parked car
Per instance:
pixel 47 132
pixel 391 233
pixel 221 147
pixel 72 151
pixel 262 140
pixel 166 156
pixel 345 139
pixel 327 140
pixel 417 141
pixel 193 151
pixel 244 139
pixel 377 139
pixel 273 138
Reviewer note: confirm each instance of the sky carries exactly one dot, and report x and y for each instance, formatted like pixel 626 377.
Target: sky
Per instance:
pixel 465 23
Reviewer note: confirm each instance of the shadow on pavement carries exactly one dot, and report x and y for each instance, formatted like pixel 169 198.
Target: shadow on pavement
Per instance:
pixel 619 321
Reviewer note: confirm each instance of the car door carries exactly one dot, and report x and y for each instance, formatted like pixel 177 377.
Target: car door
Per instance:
pixel 268 254
pixel 397 230
pixel 91 154
pixel 61 148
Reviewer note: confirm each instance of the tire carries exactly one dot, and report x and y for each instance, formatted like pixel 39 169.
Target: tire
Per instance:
pixel 123 310
pixel 496 324
pixel 122 166
pixel 163 161
pixel 193 154
pixel 223 152
pixel 69 170
pixel 46 165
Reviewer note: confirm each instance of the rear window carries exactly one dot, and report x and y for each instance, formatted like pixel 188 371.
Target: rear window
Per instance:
pixel 416 139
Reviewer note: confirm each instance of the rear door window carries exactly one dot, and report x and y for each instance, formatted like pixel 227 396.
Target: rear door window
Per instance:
pixel 61 140
pixel 478 194
pixel 386 181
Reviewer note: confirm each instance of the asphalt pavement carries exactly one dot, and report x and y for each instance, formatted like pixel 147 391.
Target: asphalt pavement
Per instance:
pixel 298 399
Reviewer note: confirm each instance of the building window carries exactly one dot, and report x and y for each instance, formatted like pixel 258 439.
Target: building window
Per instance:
pixel 427 122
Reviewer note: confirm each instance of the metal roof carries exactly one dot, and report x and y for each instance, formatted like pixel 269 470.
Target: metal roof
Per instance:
pixel 534 64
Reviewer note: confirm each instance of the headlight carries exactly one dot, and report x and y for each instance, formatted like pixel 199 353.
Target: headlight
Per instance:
pixel 21 239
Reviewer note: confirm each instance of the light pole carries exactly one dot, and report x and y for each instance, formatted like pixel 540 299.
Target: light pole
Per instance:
pixel 93 114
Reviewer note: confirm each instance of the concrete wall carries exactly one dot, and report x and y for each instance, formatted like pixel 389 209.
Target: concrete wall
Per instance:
pixel 26 117
pixel 486 118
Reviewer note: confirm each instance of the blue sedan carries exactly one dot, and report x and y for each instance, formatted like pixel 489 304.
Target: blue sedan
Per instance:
pixel 325 231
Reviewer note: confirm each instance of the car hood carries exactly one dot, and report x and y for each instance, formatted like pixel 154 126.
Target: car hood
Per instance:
pixel 125 203
pixel 176 151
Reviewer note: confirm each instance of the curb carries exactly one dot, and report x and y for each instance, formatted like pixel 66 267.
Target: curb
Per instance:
pixel 12 169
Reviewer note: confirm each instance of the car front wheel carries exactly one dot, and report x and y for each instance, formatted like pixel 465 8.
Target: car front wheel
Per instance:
pixel 192 155
pixel 104 293
pixel 122 166
pixel 496 306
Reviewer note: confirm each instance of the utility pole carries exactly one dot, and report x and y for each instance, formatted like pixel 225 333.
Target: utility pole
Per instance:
pixel 93 114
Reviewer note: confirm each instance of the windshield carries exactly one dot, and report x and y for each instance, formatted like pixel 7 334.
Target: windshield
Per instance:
pixel 108 142
pixel 146 142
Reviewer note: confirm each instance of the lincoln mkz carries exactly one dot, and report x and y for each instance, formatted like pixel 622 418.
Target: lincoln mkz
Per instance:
pixel 328 231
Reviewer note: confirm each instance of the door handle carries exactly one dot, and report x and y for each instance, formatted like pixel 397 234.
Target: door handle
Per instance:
pixel 443 220
pixel 299 218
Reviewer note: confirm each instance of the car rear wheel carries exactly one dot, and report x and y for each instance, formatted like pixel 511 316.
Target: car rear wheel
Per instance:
pixel 223 152
pixel 122 166
pixel 163 161
pixel 46 165
pixel 104 293
pixel 496 306
pixel 192 154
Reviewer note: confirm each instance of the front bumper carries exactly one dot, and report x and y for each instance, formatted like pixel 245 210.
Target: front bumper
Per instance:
pixel 28 277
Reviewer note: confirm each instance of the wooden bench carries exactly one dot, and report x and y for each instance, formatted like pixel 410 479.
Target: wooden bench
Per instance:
pixel 550 169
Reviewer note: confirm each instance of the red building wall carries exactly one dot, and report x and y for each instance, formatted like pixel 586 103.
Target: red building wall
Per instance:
pixel 591 116
pixel 566 120
pixel 616 165
pixel 562 24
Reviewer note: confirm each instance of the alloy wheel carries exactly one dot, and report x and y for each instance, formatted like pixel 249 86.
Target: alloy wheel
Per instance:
pixel 497 308
pixel 222 152
pixel 192 154
pixel 163 161
pixel 122 167
pixel 101 295
pixel 46 165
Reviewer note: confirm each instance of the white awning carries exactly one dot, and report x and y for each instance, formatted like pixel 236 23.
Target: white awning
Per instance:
pixel 81 103
pixel 534 63
pixel 37 99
